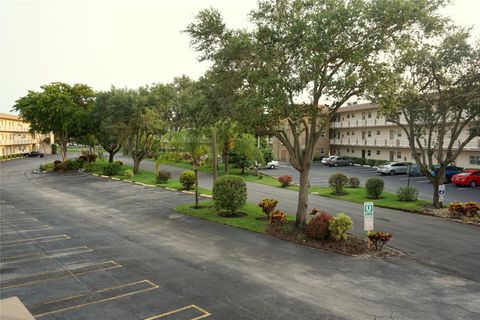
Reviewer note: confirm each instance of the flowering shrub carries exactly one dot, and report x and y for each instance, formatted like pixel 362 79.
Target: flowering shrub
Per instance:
pixel 339 226
pixel 379 239
pixel 317 227
pixel 467 209
pixel 268 205
pixel 277 217
pixel 187 179
pixel 285 180
pixel 337 182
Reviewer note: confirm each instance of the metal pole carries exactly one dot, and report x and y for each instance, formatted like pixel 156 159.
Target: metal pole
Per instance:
pixel 409 174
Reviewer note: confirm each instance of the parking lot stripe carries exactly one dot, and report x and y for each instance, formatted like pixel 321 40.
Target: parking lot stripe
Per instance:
pixel 45 255
pixel 175 312
pixel 33 240
pixel 83 300
pixel 58 274
pixel 2 222
pixel 45 227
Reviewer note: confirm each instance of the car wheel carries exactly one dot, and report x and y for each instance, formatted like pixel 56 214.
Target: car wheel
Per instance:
pixel 392 173
pixel 272 167
pixel 350 164
pixel 335 164
pixel 473 184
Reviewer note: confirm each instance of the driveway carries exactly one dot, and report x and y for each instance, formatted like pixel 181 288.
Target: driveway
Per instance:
pixel 76 246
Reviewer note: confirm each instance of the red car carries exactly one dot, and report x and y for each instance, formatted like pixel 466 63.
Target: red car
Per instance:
pixel 468 178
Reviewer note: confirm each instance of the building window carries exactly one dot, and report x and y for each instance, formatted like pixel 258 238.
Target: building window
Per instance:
pixel 348 116
pixel 369 114
pixel 353 151
pixel 378 152
pixel 353 115
pixel 369 133
pixel 322 150
pixel 348 133
pixel 399 155
pixel 399 133
pixel 369 153
pixel 475 160
pixel 363 115
pixel 353 133
pixel 378 133
pixel 348 150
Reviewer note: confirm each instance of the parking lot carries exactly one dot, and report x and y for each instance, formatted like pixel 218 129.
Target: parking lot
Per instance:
pixel 320 173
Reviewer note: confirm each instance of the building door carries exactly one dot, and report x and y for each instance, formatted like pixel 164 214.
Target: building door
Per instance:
pixel 363 154
pixel 392 134
pixel 392 155
pixel 363 134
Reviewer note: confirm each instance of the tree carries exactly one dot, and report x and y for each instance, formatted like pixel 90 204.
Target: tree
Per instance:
pixel 433 95
pixel 197 145
pixel 109 117
pixel 147 121
pixel 58 108
pixel 246 152
pixel 300 52
pixel 227 133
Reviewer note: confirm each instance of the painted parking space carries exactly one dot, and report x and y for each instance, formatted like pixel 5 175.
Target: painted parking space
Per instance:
pixel 191 312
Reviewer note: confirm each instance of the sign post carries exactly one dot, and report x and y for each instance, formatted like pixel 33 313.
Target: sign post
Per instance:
pixel 441 193
pixel 368 211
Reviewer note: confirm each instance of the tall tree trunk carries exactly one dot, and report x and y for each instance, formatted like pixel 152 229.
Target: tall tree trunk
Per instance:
pixel 196 188
pixel 225 164
pixel 136 164
pixel 301 219
pixel 214 154
pixel 436 198
pixel 110 157
pixel 63 149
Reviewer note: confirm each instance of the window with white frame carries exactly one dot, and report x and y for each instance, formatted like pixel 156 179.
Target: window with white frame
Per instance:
pixel 369 152
pixel 475 160
pixel 399 155
pixel 369 133
pixel 378 152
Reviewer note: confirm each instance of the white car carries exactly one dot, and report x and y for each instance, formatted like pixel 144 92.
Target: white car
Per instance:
pixel 272 164
pixel 392 168
pixel 325 160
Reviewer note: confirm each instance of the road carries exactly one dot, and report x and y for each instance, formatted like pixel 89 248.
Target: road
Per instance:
pixel 432 241
pixel 161 262
pixel 319 175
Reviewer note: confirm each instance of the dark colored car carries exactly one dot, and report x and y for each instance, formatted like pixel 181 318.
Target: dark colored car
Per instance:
pixel 468 178
pixel 336 161
pixel 33 154
pixel 450 171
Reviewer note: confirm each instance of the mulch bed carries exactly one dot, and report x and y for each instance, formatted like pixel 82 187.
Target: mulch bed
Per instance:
pixel 353 246
pixel 443 213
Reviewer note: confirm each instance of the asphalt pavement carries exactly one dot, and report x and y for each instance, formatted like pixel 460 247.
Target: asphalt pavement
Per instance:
pixel 75 246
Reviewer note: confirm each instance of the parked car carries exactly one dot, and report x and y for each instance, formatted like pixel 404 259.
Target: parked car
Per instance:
pixel 468 178
pixel 414 171
pixel 393 168
pixel 337 161
pixel 35 154
pixel 325 160
pixel 272 164
pixel 450 171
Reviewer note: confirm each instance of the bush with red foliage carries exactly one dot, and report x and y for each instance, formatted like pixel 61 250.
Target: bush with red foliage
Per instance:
pixel 317 227
pixel 285 180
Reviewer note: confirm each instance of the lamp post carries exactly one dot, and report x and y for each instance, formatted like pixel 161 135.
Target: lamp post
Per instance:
pixel 409 174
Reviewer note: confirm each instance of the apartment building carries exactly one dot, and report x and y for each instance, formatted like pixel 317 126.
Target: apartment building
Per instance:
pixel 358 130
pixel 16 138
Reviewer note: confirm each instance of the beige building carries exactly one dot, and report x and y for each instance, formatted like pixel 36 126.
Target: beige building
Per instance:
pixel 16 138
pixel 358 130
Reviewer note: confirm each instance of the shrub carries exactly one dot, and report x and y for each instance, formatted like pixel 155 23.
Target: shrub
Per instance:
pixel 229 193
pixel 374 187
pixel 112 169
pixel 268 205
pixel 163 176
pixel 285 180
pixel 72 164
pixel 187 179
pixel 185 156
pixel 129 173
pixel 456 209
pixel 337 182
pixel 379 239
pixel 89 167
pixel 371 162
pixel 57 164
pixel 471 208
pixel 314 211
pixel 277 217
pixel 339 226
pixel 317 227
pixel 47 167
pixel 407 194
pixel 353 182
pixel 119 162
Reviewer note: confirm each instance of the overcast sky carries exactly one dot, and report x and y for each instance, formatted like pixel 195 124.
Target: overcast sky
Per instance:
pixel 114 42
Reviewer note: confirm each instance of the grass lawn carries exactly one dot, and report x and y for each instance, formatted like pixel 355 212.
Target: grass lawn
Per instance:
pixel 359 195
pixel 248 222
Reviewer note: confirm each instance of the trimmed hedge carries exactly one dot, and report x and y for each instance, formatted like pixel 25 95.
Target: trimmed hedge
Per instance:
pixel 229 193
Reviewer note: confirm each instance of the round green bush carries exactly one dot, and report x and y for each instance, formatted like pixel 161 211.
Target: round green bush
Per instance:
pixel 353 182
pixel 129 173
pixel 112 169
pixel 339 226
pixel 374 187
pixel 337 182
pixel 187 179
pixel 163 176
pixel 407 194
pixel 229 193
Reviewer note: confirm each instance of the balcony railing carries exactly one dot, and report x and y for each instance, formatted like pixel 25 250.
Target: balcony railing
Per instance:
pixel 17 142
pixel 401 143
pixel 361 123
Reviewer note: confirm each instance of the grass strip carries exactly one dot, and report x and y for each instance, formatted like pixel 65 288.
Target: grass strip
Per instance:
pixel 248 222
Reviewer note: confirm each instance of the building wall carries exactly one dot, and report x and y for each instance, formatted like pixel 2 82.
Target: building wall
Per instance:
pixel 280 152
pixel 15 137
